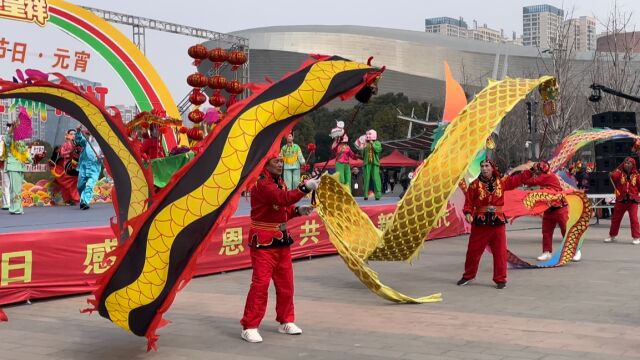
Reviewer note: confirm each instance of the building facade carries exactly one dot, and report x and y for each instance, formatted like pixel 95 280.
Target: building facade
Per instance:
pixel 446 26
pixel 581 33
pixel 541 25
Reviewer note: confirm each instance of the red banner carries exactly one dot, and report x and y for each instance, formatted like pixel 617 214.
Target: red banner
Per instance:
pixel 68 261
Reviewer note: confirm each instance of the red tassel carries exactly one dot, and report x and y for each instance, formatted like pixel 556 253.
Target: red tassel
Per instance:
pixel 3 316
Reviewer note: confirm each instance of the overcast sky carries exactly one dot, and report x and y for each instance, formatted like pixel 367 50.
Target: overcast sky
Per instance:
pixel 167 52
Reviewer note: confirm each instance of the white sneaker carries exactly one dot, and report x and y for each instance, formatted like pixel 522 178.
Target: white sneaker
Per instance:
pixel 289 329
pixel 251 335
pixel 578 256
pixel 545 256
pixel 636 241
pixel 610 239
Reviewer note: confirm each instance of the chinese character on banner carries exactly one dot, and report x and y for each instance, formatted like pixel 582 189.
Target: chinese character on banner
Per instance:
pixel 19 52
pixel 61 55
pixel 13 9
pixel 82 58
pixel 383 220
pixel 12 263
pixel 94 261
pixel 25 10
pixel 309 232
pixel 37 11
pixel 443 220
pixel 3 48
pixel 231 242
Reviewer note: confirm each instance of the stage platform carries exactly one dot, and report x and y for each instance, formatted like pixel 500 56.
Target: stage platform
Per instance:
pixel 65 217
pixel 54 251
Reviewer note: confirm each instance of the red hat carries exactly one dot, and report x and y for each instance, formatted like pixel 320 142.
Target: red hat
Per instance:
pixel 495 172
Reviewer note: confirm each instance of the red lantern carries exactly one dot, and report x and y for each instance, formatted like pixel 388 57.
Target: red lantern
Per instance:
pixel 198 52
pixel 196 116
pixel 237 58
pixel 217 100
pixel 234 87
pixel 195 134
pixel 218 56
pixel 217 82
pixel 197 80
pixel 183 130
pixel 197 97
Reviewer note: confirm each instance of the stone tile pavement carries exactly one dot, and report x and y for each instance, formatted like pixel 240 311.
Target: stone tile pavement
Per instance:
pixel 587 310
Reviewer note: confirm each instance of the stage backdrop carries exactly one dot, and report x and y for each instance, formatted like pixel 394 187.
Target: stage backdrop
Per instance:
pixel 43 264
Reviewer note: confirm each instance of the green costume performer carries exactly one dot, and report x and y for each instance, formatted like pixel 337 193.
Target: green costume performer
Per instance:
pixel 293 160
pixel 371 159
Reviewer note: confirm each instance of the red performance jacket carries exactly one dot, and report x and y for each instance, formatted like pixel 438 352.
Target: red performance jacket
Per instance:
pixel 547 181
pixel 485 198
pixel 271 206
pixel 627 186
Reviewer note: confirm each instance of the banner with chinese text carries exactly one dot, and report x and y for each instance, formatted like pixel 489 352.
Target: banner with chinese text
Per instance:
pixel 60 262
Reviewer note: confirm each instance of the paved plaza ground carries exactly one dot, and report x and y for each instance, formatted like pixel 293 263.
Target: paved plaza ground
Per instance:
pixel 587 310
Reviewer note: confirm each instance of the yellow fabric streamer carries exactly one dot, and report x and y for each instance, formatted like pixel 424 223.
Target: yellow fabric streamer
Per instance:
pixel 355 236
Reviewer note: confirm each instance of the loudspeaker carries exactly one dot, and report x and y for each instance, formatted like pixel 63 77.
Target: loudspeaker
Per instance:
pixel 610 154
pixel 599 183
pixel 615 120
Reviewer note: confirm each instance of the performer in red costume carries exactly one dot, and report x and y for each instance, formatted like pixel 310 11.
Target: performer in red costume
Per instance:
pixel 69 183
pixel 272 204
pixel 483 209
pixel 556 214
pixel 626 181
pixel 151 148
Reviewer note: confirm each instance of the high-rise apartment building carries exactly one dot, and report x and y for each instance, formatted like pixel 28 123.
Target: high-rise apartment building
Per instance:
pixel 541 25
pixel 580 33
pixel 446 26
pixel 484 33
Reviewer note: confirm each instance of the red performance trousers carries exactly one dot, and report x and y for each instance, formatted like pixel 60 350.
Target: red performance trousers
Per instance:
pixel 69 188
pixel 551 218
pixel 618 212
pixel 482 236
pixel 270 263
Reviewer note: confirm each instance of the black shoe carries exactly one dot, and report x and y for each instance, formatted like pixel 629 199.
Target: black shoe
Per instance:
pixel 501 286
pixel 84 206
pixel 463 281
pixel 366 199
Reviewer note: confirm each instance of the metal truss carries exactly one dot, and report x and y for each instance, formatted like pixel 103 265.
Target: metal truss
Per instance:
pixel 140 24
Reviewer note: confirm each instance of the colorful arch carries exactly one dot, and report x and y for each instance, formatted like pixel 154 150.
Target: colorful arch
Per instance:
pixel 135 70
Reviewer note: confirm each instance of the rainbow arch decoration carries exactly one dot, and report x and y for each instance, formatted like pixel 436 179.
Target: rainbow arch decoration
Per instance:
pixel 135 70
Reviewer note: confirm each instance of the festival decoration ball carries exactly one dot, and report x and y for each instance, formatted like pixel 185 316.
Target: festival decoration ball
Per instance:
pixel 195 134
pixel 234 87
pixel 183 130
pixel 217 100
pixel 218 55
pixel 197 80
pixel 196 116
pixel 237 58
pixel 198 52
pixel 217 82
pixel 197 97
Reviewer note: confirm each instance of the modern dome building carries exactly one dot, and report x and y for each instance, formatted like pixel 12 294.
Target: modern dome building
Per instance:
pixel 414 59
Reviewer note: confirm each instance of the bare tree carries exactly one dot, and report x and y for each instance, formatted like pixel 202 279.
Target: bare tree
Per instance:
pixel 572 110
pixel 614 64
